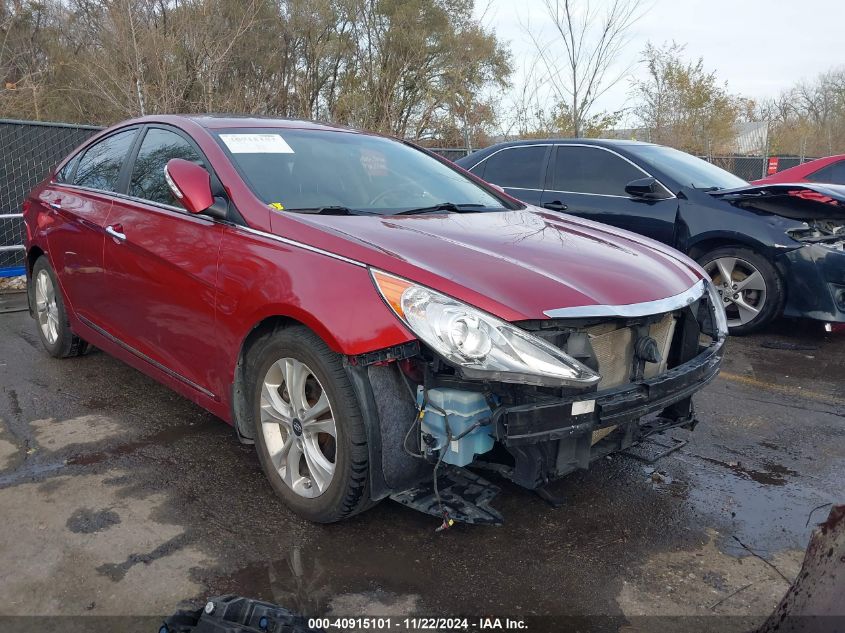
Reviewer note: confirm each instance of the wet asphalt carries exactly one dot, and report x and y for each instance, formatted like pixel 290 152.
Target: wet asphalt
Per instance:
pixel 118 496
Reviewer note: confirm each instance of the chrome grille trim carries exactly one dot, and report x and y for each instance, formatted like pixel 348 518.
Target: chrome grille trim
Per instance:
pixel 632 310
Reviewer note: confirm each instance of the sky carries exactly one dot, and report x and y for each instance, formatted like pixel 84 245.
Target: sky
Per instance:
pixel 760 47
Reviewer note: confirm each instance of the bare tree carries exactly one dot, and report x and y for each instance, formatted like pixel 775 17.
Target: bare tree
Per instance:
pixel 579 60
pixel 809 118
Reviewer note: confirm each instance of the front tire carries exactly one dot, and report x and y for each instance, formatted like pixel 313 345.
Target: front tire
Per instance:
pixel 50 313
pixel 749 285
pixel 309 431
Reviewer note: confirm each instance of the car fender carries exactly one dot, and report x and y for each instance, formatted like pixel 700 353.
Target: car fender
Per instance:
pixel 707 228
pixel 260 278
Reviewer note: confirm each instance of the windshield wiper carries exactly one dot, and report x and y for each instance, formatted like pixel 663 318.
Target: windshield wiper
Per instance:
pixel 328 210
pixel 709 189
pixel 451 207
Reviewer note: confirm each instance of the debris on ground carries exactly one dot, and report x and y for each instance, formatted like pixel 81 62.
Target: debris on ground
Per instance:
pixel 13 284
pixel 657 476
pixel 797 347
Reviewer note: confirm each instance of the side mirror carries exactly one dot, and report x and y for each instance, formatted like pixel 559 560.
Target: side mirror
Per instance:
pixel 646 188
pixel 190 183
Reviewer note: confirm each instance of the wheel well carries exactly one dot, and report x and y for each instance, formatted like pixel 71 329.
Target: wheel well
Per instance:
pixel 31 257
pixel 706 246
pixel 239 400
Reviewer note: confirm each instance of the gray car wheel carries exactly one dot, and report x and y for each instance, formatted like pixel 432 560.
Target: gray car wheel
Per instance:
pixel 308 427
pixel 50 314
pixel 749 286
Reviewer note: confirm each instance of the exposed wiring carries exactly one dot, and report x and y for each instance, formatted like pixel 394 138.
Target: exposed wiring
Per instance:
pixel 414 425
pixel 425 404
pixel 417 418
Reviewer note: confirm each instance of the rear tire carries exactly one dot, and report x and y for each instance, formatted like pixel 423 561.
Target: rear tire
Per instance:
pixel 50 313
pixel 754 294
pixel 295 444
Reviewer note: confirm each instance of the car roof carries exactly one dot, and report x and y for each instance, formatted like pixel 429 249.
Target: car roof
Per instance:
pixel 605 142
pixel 225 121
pixel 222 121
pixel 470 160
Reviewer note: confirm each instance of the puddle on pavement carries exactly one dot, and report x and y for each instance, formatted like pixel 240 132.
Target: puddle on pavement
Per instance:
pixel 772 475
pixel 767 517
pixel 315 580
pixel 165 436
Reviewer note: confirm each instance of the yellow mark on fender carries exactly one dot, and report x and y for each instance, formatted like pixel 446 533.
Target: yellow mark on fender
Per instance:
pixel 784 389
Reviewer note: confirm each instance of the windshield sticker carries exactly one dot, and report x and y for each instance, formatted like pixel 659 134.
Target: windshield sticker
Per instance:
pixel 256 144
pixel 277 206
pixel 374 162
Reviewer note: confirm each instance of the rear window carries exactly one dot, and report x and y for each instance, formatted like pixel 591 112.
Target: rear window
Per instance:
pixel 100 165
pixel 292 169
pixel 66 172
pixel 833 173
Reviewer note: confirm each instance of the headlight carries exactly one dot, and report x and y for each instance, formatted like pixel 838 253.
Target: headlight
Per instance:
pixel 718 309
pixel 482 345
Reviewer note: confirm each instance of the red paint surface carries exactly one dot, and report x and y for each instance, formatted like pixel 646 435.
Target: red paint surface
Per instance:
pixel 185 291
pixel 799 173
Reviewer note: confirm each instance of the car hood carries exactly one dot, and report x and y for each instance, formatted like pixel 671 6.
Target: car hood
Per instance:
pixel 515 264
pixel 797 201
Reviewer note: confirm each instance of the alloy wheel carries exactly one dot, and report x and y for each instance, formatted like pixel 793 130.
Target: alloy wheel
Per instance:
pixel 298 426
pixel 46 309
pixel 741 287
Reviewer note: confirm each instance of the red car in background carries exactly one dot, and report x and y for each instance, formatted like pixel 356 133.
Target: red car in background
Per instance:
pixel 827 170
pixel 372 317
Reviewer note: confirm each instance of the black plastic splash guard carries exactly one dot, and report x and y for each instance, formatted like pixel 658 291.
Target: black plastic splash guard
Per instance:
pixel 464 496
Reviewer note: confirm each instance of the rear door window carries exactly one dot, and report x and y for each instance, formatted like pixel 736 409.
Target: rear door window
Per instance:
pixel 581 169
pixel 100 165
pixel 516 167
pixel 64 174
pixel 158 147
pixel 833 173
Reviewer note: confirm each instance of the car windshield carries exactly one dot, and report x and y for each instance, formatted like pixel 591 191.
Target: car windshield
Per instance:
pixel 686 169
pixel 339 172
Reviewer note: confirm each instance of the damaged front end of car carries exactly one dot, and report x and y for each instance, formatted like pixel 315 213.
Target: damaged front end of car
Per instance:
pixel 813 261
pixel 532 401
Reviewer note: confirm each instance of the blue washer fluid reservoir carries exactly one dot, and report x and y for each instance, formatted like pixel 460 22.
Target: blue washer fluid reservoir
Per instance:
pixel 464 408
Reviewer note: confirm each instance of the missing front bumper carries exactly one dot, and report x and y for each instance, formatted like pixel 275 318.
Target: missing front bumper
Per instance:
pixel 551 439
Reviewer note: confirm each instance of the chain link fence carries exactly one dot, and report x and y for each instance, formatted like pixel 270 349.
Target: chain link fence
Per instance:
pixel 28 151
pixel 753 167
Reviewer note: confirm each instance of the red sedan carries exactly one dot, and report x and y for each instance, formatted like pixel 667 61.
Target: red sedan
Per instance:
pixel 372 317
pixel 830 169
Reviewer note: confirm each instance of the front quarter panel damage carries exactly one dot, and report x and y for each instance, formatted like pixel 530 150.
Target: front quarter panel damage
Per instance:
pixel 815 276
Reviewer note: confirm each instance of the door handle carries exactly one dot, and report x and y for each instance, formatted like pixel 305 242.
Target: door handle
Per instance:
pixel 555 205
pixel 116 231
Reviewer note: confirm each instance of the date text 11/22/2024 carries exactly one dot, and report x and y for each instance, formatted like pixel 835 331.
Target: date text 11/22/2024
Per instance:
pixel 420 624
